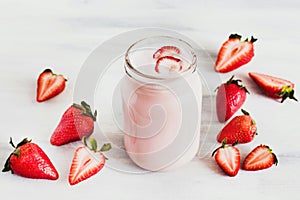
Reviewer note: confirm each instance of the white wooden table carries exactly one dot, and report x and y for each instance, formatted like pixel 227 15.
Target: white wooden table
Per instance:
pixel 61 34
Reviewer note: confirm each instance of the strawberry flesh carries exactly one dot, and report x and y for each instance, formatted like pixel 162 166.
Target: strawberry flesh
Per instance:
pixel 228 158
pixel 166 51
pixel 259 158
pixel 49 85
pixel 234 53
pixel 274 87
pixel 85 164
pixel 87 161
pixel 168 62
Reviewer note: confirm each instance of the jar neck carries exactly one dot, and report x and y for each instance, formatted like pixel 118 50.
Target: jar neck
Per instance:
pixel 141 64
pixel 138 75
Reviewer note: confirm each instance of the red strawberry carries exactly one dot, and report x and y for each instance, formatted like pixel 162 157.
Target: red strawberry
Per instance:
pixel 230 97
pixel 76 122
pixel 241 129
pixel 259 158
pixel 49 85
pixel 166 51
pixel 168 62
pixel 29 160
pixel 234 53
pixel 274 87
pixel 228 158
pixel 87 161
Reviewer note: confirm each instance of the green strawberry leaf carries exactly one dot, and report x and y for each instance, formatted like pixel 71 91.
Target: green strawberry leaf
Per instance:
pixel 106 147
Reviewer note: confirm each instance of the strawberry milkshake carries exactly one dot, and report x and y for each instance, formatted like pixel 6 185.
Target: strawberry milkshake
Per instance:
pixel 162 97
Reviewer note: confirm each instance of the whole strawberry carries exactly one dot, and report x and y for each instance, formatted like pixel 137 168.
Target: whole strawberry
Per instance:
pixel 29 160
pixel 229 99
pixel 76 122
pixel 234 53
pixel 241 129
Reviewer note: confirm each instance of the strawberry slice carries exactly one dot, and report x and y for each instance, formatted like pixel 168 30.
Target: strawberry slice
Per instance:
pixel 234 53
pixel 274 87
pixel 228 158
pixel 166 51
pixel 260 158
pixel 87 161
pixel 49 85
pixel 168 62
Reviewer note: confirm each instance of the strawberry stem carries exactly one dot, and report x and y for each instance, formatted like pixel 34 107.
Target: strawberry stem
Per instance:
pixel 233 36
pixel 235 143
pixel 11 142
pixel 93 145
pixel 48 70
pixel 273 154
pixel 24 141
pixel 222 146
pixel 86 109
pixel 253 39
pixel 286 92
pixel 15 152
pixel 275 159
pixel 224 141
pixel 245 112
pixel 106 147
pixel 237 82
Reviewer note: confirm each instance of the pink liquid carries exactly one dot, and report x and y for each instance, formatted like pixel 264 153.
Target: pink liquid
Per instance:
pixel 155 136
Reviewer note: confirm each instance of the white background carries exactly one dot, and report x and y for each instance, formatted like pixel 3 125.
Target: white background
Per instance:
pixel 56 34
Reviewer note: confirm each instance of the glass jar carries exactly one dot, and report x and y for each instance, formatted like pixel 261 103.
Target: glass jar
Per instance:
pixel 161 103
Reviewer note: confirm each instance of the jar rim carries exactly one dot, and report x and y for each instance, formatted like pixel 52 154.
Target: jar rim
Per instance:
pixel 191 67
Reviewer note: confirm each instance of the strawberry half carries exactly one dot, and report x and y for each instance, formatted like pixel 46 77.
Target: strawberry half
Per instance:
pixel 76 122
pixel 166 51
pixel 274 87
pixel 234 53
pixel 228 158
pixel 241 129
pixel 49 85
pixel 260 158
pixel 168 62
pixel 29 160
pixel 87 161
pixel 229 99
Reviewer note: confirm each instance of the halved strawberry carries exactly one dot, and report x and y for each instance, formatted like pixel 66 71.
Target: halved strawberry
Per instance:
pixel 87 161
pixel 49 85
pixel 228 158
pixel 166 51
pixel 259 158
pixel 274 87
pixel 234 53
pixel 229 99
pixel 168 62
